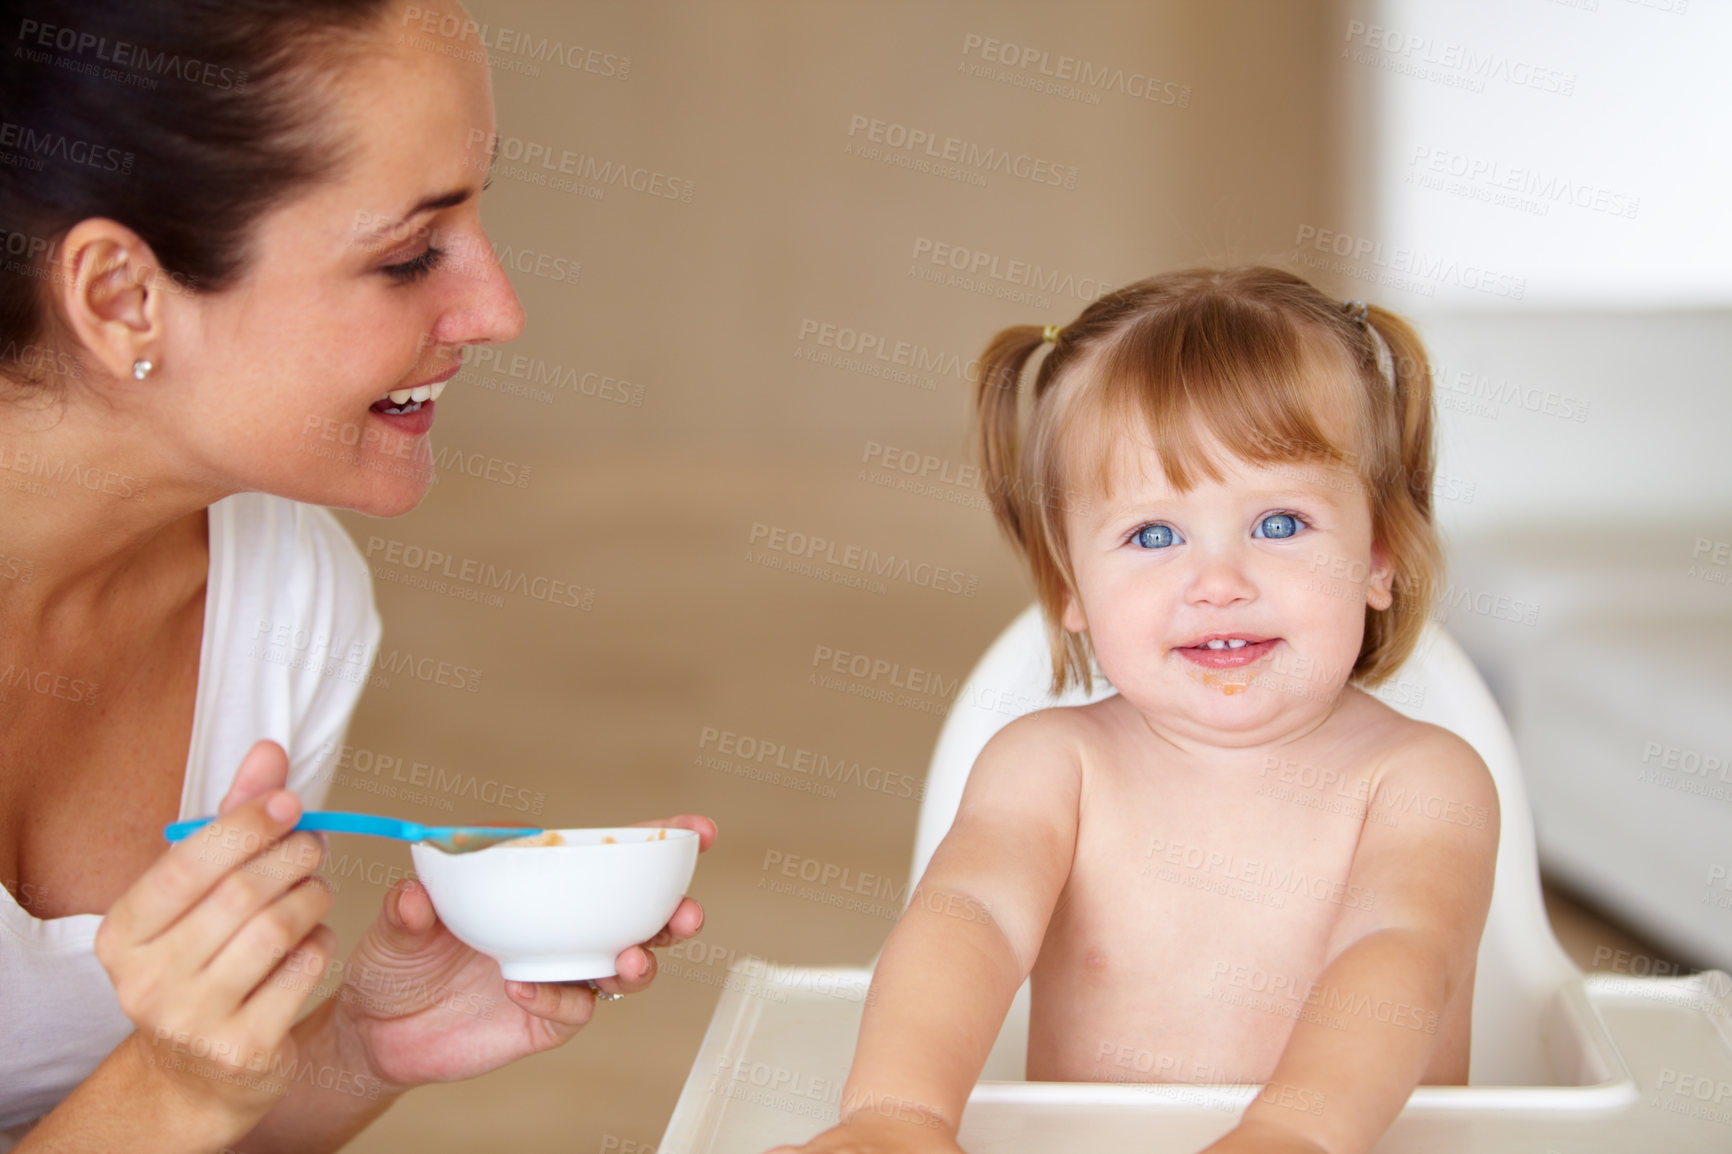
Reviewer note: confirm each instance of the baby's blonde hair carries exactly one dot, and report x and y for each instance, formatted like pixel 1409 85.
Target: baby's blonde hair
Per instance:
pixel 1243 354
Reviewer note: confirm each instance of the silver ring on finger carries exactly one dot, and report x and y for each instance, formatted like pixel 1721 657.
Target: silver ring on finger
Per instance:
pixel 602 995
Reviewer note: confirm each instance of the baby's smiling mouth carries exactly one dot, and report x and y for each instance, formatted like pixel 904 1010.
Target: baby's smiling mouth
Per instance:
pixel 1226 650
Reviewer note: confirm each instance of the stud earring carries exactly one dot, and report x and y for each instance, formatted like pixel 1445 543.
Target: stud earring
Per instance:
pixel 141 369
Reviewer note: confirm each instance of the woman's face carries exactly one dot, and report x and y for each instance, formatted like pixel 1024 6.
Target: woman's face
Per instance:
pixel 364 285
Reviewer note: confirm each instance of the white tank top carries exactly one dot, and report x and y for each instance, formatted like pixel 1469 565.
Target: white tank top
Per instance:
pixel 290 634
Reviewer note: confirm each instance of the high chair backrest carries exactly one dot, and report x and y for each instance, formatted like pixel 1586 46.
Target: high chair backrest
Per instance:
pixel 1521 967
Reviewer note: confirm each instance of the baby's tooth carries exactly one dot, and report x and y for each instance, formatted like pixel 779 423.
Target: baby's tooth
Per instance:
pixel 420 392
pixel 436 389
pixel 1236 643
pixel 400 396
pixel 1216 644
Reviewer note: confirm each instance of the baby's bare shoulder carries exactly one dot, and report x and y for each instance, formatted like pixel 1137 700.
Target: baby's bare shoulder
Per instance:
pixel 1059 730
pixel 1407 751
pixel 1428 846
pixel 1036 758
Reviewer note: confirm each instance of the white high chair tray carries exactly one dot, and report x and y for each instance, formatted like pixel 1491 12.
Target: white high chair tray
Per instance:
pixel 1644 1064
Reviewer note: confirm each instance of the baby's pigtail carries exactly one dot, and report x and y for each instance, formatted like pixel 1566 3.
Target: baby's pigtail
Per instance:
pixel 1413 417
pixel 1406 532
pixel 998 433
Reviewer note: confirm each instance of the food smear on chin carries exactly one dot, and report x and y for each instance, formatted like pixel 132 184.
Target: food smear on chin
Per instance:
pixel 1228 681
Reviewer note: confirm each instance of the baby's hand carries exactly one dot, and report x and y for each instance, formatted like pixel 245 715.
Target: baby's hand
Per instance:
pixel 867 1133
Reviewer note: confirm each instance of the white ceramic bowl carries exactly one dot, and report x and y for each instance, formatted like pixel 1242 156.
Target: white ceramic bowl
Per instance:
pixel 560 913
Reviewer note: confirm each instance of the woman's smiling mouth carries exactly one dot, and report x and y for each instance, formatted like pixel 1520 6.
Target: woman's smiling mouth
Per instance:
pixel 400 401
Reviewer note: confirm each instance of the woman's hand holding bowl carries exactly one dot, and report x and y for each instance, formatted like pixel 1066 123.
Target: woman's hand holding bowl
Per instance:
pixel 420 1006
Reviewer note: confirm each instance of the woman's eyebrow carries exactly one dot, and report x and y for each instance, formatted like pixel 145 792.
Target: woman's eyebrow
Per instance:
pixel 433 203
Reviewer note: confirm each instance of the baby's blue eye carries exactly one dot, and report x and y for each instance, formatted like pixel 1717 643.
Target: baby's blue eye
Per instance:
pixel 1156 536
pixel 1278 525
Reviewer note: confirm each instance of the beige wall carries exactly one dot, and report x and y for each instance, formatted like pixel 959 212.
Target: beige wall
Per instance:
pixel 651 503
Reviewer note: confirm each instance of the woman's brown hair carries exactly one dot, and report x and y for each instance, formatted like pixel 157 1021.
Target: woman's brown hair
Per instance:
pixel 185 120
pixel 1243 354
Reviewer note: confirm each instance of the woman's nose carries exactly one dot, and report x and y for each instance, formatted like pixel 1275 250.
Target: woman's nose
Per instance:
pixel 484 308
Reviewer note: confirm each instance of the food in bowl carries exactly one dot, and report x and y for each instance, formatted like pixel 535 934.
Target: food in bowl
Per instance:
pixel 560 910
pixel 545 837
pixel 553 837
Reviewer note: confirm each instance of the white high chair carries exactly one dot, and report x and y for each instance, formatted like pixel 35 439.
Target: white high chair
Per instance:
pixel 1560 1063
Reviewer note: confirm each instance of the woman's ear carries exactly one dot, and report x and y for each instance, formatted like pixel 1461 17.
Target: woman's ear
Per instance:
pixel 1380 581
pixel 110 291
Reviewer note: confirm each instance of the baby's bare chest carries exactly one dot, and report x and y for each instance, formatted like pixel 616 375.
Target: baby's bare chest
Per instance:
pixel 1190 931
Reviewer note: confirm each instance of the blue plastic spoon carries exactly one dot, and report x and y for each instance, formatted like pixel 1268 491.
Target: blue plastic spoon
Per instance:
pixel 450 838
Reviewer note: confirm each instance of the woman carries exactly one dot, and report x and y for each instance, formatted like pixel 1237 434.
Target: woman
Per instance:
pixel 242 251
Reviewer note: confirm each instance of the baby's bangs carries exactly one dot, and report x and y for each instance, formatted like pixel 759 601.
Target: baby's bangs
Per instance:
pixel 1238 371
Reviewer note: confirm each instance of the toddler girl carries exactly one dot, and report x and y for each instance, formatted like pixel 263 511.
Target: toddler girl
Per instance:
pixel 1217 874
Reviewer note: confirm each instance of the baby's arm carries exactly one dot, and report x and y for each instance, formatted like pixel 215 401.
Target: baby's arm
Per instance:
pixel 969 937
pixel 1397 963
